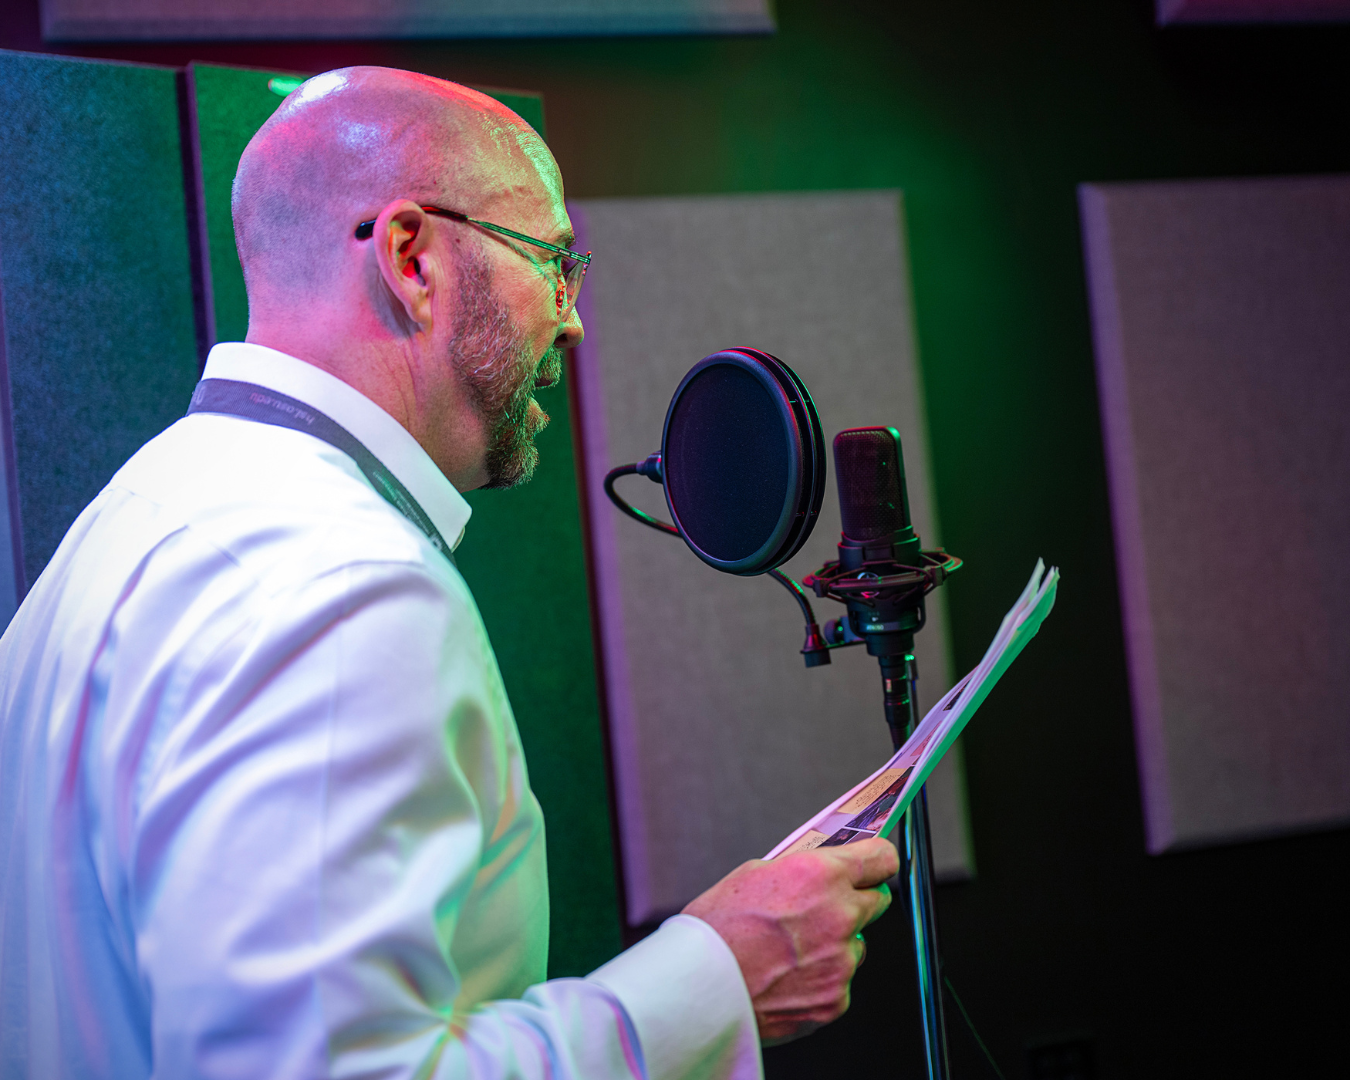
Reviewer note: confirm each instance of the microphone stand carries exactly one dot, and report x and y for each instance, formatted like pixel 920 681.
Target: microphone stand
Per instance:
pixel 885 600
pixel 885 608
pixel 901 701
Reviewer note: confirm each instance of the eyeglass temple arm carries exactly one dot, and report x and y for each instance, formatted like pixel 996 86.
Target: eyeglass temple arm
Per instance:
pixel 519 236
pixel 366 230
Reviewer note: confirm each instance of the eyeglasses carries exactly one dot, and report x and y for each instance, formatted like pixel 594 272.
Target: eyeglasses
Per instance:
pixel 572 265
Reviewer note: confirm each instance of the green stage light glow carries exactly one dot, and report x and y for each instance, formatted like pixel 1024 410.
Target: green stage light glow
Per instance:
pixel 281 85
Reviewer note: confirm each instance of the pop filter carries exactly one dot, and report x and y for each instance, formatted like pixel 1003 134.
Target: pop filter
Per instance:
pixel 743 461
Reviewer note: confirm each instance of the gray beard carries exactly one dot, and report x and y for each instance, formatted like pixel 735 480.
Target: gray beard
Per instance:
pixel 496 365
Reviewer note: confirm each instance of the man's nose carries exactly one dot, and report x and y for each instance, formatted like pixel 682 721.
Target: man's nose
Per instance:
pixel 570 332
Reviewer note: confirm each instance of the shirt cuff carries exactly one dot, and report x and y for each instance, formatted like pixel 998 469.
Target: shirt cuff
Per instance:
pixel 683 991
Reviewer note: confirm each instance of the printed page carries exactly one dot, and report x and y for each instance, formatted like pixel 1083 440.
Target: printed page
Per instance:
pixel 873 807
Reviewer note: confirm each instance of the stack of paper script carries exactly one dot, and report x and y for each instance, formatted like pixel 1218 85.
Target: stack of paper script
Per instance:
pixel 873 807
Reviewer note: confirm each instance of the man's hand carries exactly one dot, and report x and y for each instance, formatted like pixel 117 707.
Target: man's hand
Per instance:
pixel 793 924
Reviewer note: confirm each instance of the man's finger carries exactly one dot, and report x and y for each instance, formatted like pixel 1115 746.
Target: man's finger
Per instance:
pixel 872 862
pixel 882 900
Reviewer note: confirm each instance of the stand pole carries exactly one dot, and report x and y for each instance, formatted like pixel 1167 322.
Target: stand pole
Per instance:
pixel 899 675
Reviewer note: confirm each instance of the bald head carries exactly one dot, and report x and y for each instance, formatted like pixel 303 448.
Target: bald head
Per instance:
pixel 446 325
pixel 346 143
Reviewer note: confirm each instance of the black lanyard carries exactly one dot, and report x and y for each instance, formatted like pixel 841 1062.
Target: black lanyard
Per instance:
pixel 268 407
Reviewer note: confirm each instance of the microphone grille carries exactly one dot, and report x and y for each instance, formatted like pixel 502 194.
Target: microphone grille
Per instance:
pixel 871 475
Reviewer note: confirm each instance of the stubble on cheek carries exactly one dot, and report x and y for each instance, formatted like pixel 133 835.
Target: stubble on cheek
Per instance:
pixel 499 370
pixel 512 456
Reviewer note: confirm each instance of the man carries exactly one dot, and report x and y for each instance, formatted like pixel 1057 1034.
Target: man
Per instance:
pixel 264 810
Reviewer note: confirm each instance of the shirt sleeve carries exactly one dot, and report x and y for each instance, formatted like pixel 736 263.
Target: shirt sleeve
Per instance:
pixel 338 867
pixel 684 994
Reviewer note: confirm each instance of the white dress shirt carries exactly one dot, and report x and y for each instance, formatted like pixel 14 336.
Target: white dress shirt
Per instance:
pixel 263 806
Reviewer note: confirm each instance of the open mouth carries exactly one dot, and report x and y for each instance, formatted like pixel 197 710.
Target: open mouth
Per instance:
pixel 549 371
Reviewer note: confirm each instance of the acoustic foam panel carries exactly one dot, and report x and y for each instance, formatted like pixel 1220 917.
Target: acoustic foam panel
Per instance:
pixel 523 556
pixel 1221 313
pixel 723 742
pixel 99 340
pixel 1252 11
pixel 210 20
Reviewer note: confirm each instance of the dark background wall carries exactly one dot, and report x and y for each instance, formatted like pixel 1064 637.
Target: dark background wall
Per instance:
pixel 1222 962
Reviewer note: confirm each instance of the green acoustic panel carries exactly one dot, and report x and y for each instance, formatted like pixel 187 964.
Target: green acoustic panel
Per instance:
pixel 227 105
pixel 529 107
pixel 100 337
pixel 523 557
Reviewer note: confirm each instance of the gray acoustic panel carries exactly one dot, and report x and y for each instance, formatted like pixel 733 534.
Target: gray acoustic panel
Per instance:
pixel 1252 11
pixel 723 741
pixel 213 20
pixel 99 343
pixel 1221 314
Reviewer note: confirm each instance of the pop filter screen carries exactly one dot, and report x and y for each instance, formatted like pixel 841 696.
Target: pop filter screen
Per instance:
pixel 732 462
pixel 743 461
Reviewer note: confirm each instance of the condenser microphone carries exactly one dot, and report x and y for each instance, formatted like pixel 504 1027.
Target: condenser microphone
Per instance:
pixel 880 574
pixel 869 468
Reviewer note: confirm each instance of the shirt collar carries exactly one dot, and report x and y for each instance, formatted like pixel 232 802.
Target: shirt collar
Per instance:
pixel 382 435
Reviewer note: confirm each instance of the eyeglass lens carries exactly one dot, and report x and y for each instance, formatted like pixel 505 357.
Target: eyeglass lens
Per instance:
pixel 568 288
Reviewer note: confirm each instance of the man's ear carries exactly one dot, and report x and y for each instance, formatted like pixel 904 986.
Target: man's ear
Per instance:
pixel 402 236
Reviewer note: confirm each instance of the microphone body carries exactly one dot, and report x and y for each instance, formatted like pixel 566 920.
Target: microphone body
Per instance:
pixel 878 539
